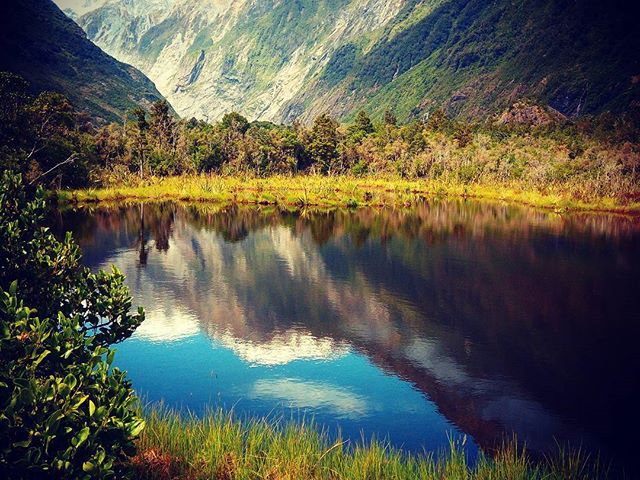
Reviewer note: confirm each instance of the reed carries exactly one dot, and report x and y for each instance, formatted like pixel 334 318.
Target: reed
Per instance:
pixel 220 446
pixel 298 191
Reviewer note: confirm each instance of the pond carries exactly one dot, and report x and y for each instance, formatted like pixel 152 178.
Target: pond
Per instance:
pixel 415 325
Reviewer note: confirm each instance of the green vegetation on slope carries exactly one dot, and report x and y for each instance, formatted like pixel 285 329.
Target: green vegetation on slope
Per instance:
pixel 39 42
pixel 474 58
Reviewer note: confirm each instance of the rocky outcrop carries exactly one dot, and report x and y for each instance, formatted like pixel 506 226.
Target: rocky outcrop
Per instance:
pixel 522 113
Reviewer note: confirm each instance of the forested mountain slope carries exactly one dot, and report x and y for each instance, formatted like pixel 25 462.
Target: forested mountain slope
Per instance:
pixel 475 57
pixel 40 43
pixel 281 60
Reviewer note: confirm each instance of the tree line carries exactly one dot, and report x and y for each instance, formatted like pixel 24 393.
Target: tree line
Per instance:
pixel 43 138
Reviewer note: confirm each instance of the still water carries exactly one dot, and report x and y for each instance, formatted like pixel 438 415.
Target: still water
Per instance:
pixel 414 325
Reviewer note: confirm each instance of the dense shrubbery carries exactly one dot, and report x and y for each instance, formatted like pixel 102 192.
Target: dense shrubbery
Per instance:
pixel 528 144
pixel 436 148
pixel 41 136
pixel 64 412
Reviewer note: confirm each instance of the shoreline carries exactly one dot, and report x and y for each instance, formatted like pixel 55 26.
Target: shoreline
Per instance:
pixel 304 191
pixel 220 445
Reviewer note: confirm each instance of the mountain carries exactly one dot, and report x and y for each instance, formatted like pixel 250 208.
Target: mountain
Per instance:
pixel 281 60
pixel 40 43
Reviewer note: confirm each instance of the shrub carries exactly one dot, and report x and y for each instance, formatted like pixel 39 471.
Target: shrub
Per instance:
pixel 63 411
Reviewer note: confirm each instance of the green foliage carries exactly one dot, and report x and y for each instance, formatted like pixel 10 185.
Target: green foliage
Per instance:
pixel 63 411
pixel 39 134
pixel 236 122
pixel 340 64
pixel 323 145
pixel 50 275
pixel 360 128
pixel 474 58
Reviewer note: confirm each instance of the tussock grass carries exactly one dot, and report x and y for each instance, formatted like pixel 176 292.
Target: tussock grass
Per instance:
pixel 351 192
pixel 220 446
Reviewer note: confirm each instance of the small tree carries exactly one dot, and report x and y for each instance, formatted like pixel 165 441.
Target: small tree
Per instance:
pixel 236 122
pixel 323 146
pixel 140 141
pixel 64 412
pixel 361 128
pixel 363 123
pixel 390 118
pixel 163 126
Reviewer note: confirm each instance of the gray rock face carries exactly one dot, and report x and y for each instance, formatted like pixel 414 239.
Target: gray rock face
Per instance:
pixel 282 60
pixel 214 56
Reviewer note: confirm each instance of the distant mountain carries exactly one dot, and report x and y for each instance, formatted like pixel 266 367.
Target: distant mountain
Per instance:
pixel 44 46
pixel 280 60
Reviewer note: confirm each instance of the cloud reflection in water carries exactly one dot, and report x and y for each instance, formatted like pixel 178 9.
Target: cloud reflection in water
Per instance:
pixel 308 394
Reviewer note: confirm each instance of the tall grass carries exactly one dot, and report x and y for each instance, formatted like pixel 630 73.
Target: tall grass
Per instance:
pixel 220 446
pixel 347 191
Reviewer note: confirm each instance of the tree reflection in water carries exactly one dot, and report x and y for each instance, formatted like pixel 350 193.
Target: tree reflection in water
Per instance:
pixel 508 318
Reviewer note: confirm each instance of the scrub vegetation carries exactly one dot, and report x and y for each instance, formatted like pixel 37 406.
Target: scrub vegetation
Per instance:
pixel 64 412
pixel 344 191
pixel 528 154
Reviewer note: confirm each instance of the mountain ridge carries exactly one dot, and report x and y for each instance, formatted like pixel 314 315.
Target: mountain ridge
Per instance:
pixel 40 43
pixel 286 61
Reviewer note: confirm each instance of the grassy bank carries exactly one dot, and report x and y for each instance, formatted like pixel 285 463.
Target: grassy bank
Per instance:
pixel 219 446
pixel 347 191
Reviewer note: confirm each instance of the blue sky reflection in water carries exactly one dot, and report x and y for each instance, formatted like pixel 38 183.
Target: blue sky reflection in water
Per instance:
pixel 450 317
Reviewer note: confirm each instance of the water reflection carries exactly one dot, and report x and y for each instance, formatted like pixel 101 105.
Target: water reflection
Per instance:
pixel 500 318
pixel 305 394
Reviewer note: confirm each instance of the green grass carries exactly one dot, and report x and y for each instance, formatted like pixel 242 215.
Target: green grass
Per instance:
pixel 220 446
pixel 350 192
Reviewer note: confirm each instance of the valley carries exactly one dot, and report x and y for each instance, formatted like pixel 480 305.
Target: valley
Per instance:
pixel 281 61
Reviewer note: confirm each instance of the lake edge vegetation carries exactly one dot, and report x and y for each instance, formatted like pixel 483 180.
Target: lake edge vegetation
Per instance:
pixel 64 410
pixel 298 192
pixel 527 154
pixel 218 445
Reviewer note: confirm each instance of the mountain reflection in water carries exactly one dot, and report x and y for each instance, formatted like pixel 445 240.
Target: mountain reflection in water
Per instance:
pixel 449 316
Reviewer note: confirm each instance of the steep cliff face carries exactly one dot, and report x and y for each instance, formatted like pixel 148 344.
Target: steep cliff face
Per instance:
pixel 280 60
pixel 210 57
pixel 38 42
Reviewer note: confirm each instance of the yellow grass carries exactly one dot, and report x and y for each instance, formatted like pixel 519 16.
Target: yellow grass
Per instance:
pixel 347 191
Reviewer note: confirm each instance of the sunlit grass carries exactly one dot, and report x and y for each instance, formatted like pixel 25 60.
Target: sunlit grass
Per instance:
pixel 352 192
pixel 220 446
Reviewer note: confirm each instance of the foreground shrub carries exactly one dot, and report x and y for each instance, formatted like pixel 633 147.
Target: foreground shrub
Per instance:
pixel 63 411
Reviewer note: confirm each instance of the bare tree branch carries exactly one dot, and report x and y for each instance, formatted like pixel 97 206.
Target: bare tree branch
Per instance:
pixel 70 159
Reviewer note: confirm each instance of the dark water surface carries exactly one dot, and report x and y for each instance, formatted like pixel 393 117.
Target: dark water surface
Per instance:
pixel 448 318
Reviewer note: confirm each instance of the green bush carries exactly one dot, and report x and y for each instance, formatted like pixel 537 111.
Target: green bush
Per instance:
pixel 64 412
